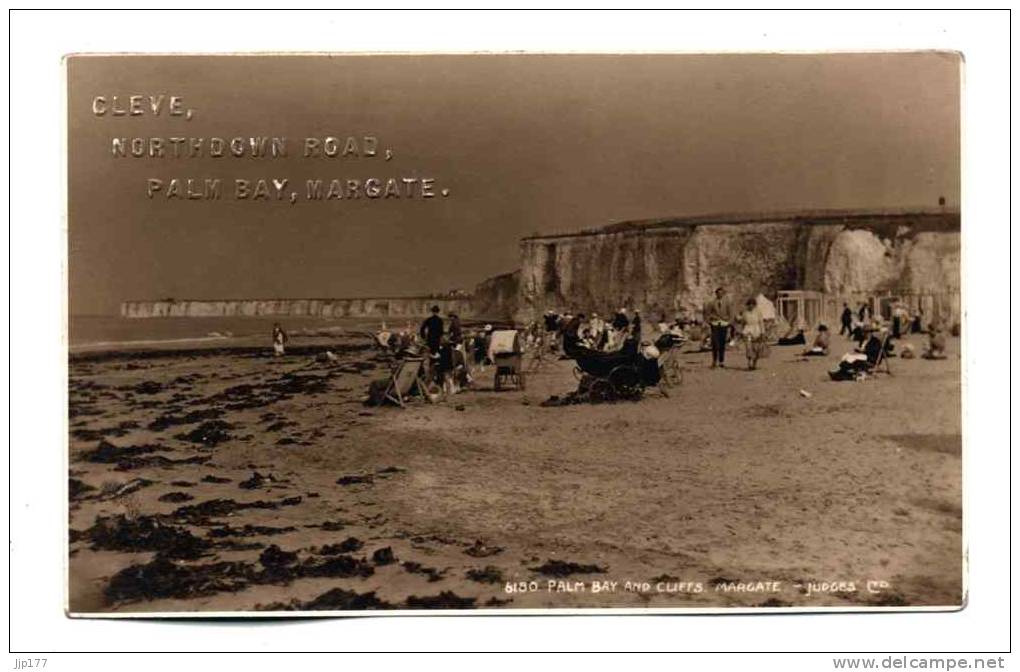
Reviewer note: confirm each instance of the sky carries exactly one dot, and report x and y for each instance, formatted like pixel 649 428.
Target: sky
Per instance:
pixel 524 144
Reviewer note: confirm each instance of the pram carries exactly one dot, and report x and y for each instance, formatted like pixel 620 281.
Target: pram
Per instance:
pixel 609 376
pixel 671 372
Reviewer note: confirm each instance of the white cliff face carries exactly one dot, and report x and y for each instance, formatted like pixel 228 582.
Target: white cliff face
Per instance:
pixel 661 268
pixel 859 261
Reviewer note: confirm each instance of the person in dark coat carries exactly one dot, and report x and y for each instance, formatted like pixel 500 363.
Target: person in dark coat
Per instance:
pixel 454 330
pixel 432 330
pixel 846 320
pixel 572 335
pixel 620 321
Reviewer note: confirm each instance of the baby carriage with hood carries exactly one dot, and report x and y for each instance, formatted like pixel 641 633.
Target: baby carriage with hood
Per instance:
pixel 611 376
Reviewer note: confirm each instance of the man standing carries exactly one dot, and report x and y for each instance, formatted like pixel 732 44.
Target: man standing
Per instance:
pixel 846 319
pixel 718 313
pixel 432 330
pixel 456 332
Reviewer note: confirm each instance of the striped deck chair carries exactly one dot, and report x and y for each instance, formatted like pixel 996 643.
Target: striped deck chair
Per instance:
pixel 406 377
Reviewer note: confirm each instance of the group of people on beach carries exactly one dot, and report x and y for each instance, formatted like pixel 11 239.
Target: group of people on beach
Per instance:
pixel 716 330
pixel 454 352
pixel 720 326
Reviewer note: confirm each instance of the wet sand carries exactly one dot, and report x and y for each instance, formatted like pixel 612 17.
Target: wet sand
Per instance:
pixel 220 479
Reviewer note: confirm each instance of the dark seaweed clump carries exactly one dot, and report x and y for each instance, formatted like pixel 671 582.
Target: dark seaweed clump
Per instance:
pixel 119 533
pixel 158 461
pixel 120 429
pixel 107 453
pixel 337 599
pixel 481 550
pixel 163 578
pixel 488 575
pixel 354 480
pixel 384 556
pixel 77 489
pixel 444 600
pixel 274 556
pixel 211 433
pixel 176 497
pixel 561 568
pixel 248 531
pixel 200 514
pixel 167 420
pixel 257 480
pixel 432 573
pixel 348 545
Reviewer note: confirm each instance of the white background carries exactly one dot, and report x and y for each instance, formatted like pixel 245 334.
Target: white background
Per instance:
pixel 38 388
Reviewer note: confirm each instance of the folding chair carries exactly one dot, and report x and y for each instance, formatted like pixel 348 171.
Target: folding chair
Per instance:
pixel 881 364
pixel 407 376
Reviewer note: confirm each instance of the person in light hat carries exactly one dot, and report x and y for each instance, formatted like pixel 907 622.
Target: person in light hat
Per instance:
pixel 597 327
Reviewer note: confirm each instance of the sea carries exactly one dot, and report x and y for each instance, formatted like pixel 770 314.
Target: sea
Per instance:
pixel 111 332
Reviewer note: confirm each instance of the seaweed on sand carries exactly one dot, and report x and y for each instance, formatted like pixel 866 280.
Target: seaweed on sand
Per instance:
pixel 563 568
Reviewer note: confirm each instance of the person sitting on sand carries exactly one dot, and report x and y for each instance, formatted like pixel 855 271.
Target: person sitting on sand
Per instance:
pixel 795 336
pixel 672 336
pixel 676 331
pixel 279 340
pixel 854 364
pixel 754 333
pixel 917 323
pixel 936 342
pixel 820 346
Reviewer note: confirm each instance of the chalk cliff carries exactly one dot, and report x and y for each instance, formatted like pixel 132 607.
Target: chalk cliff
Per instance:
pixel 661 265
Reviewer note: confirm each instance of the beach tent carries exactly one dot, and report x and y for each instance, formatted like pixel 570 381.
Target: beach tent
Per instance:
pixel 765 307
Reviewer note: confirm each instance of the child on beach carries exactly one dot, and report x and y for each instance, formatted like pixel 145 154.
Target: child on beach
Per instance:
pixel 820 346
pixel 279 339
pixel 753 332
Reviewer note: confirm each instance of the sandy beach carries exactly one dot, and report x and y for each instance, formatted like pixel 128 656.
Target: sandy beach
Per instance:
pixel 212 477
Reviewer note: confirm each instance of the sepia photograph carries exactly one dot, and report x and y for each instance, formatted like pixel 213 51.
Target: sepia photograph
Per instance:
pixel 514 333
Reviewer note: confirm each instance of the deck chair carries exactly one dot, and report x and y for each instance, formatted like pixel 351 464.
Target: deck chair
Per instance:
pixel 881 364
pixel 407 376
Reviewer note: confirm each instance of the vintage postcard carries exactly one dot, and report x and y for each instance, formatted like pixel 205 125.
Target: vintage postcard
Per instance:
pixel 503 333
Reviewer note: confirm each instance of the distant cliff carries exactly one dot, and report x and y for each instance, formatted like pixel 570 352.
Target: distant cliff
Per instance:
pixel 660 265
pixel 327 308
pixel 498 298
